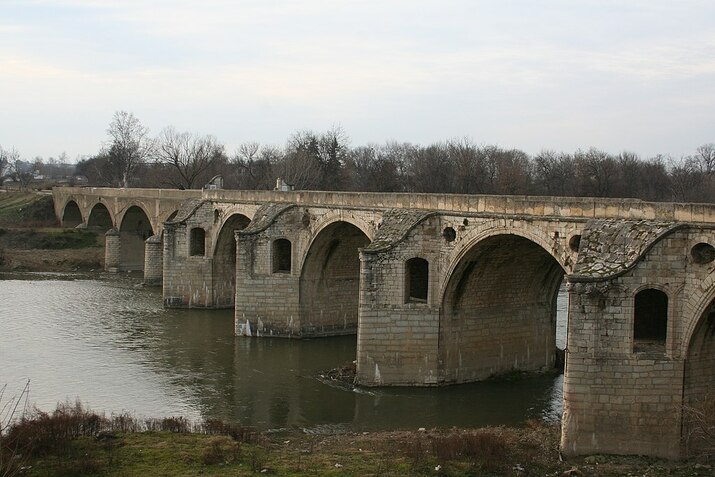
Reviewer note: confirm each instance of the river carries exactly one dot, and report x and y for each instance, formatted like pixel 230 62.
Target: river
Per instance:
pixel 112 345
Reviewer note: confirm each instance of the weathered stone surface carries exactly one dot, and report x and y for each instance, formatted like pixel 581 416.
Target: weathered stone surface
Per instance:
pixel 609 247
pixel 488 269
pixel 264 217
pixel 395 225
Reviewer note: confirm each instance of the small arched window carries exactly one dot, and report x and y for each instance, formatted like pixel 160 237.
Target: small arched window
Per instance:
pixel 416 280
pixel 650 320
pixel 281 256
pixel 197 242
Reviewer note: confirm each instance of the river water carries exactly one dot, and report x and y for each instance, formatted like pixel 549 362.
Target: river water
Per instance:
pixel 113 346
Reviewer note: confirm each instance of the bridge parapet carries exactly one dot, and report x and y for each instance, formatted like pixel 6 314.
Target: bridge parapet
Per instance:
pixel 565 207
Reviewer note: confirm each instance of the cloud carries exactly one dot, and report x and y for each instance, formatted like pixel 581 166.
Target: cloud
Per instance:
pixel 418 68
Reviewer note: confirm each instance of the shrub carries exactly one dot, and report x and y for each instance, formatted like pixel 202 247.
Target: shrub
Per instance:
pixel 699 420
pixel 486 448
pixel 237 432
pixel 43 432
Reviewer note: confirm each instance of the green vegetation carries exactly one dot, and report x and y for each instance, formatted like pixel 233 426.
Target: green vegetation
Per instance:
pixel 48 239
pixel 26 209
pixel 28 224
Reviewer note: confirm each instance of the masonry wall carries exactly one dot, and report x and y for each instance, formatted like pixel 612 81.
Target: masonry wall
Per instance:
pixel 318 301
pixel 112 250
pixel 188 279
pixel 491 304
pixel 617 398
pixel 267 302
pixel 153 260
pixel 398 339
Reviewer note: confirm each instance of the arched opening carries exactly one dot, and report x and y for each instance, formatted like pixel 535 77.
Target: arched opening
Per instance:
pixel 99 218
pixel 71 216
pixel 416 280
pixel 499 310
pixel 650 320
pixel 224 263
pixel 133 231
pixel 282 253
pixel 330 281
pixel 197 242
pixel 699 386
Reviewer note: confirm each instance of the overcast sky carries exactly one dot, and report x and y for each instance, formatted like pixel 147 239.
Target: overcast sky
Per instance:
pixel 564 74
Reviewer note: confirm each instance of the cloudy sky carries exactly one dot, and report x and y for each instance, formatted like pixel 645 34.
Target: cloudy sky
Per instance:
pixel 635 75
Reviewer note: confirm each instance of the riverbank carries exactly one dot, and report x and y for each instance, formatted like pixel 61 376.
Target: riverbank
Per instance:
pixel 74 441
pixel 32 241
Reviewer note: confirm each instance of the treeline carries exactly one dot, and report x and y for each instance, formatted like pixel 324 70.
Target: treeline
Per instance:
pixel 327 161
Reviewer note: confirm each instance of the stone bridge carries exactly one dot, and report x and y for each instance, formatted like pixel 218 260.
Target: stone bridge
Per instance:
pixel 443 289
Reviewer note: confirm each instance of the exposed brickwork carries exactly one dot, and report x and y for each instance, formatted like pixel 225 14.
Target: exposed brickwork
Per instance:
pixel 112 250
pixel 207 280
pixel 153 260
pixel 610 247
pixel 319 295
pixel 618 399
pixel 494 265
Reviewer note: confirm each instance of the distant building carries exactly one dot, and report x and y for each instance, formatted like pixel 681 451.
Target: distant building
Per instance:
pixel 283 186
pixel 215 183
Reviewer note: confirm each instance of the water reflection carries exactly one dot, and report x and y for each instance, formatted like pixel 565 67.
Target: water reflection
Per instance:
pixel 115 347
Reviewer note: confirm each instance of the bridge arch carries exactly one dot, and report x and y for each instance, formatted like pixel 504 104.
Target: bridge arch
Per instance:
pixel 71 214
pixel 100 217
pixel 224 260
pixel 330 279
pixel 134 228
pixel 495 227
pixel 169 215
pixel 699 379
pixel 498 307
pixel 331 217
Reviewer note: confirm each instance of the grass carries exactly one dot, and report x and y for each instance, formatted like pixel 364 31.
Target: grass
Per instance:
pixel 26 208
pixel 27 221
pixel 73 441
pixel 48 239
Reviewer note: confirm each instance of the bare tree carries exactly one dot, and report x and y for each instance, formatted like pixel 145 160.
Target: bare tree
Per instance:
pixel 597 171
pixel 430 169
pixel 21 172
pixel 129 146
pixel 6 159
pixel 254 166
pixel 12 167
pixel 373 169
pixel 705 158
pixel 555 172
pixel 687 181
pixel 315 161
pixel 188 155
